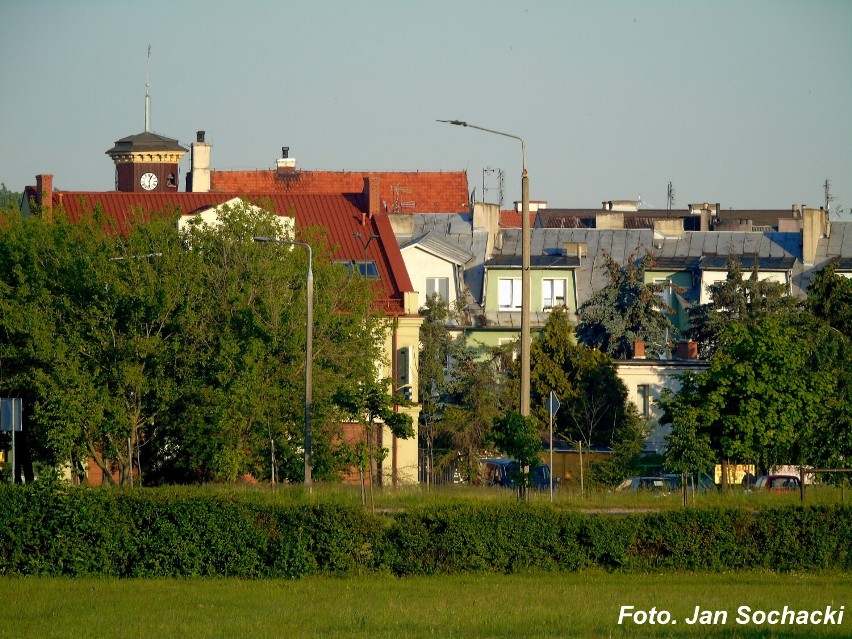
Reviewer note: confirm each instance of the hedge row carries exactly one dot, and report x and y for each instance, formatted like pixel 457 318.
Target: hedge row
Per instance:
pixel 55 530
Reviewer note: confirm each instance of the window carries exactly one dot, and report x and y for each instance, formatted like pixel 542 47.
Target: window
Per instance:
pixel 644 392
pixel 502 341
pixel 439 286
pixel 509 294
pixel 360 267
pixel 666 294
pixel 552 293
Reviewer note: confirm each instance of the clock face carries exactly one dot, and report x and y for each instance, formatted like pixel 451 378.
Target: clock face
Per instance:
pixel 148 181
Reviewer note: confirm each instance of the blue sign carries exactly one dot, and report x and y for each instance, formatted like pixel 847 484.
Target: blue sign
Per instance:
pixel 552 404
pixel 11 410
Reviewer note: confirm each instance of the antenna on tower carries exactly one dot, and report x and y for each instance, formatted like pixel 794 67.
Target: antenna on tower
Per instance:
pixel 148 93
pixel 829 198
pixel 488 171
pixel 670 198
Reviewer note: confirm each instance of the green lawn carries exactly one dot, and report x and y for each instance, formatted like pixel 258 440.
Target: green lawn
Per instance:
pixel 535 605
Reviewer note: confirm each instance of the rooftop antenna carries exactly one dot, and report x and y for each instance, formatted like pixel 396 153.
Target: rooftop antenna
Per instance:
pixel 670 198
pixel 147 93
pixel 829 198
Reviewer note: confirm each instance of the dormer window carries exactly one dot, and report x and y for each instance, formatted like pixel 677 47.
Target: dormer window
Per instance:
pixel 170 180
pixel 363 268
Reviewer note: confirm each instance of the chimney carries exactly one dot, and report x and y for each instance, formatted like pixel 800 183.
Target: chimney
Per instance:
pixel 639 349
pixel 610 221
pixel 814 227
pixel 44 195
pixel 285 162
pixel 686 350
pixel 575 249
pixel 199 174
pixel 371 195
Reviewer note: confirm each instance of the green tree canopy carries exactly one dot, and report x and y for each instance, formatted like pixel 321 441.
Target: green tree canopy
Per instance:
pixel 625 310
pixel 593 400
pixel 183 350
pixel 735 299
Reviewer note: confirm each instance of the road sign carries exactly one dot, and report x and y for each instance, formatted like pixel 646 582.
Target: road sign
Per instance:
pixel 10 414
pixel 552 404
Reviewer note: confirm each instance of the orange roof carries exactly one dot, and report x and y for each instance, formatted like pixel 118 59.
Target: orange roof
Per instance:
pixel 340 215
pixel 512 219
pixel 400 192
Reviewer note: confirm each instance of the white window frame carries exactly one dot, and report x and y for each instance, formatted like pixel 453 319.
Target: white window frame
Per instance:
pixel 666 294
pixel 439 285
pixel 509 294
pixel 549 295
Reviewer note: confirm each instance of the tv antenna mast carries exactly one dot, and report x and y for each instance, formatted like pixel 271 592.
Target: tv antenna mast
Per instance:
pixel 670 197
pixel 488 171
pixel 829 198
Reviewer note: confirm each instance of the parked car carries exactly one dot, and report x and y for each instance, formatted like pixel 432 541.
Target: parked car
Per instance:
pixel 507 473
pixel 636 484
pixel 778 483
pixel 702 483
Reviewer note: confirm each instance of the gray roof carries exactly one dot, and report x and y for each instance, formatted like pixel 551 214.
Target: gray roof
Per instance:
pixel 456 235
pixel 836 247
pixel 145 141
pixel 435 243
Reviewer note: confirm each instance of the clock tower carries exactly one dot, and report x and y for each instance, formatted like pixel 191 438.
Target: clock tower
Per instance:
pixel 146 162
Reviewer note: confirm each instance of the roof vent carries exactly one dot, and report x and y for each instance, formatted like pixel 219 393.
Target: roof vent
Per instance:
pixel 199 136
pixel 285 151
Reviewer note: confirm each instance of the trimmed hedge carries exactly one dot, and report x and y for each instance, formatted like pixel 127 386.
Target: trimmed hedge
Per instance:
pixel 50 529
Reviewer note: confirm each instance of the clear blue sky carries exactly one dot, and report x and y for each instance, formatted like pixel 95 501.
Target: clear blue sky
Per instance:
pixel 747 103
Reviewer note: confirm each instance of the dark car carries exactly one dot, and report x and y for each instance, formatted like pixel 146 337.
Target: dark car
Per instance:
pixel 636 484
pixel 507 473
pixel 778 483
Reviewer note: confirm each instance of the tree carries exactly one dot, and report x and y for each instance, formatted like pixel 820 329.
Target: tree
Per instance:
pixel 735 299
pixel 625 310
pixel 593 400
pixel 763 398
pixel 688 447
pixel 518 437
pixel 436 348
pixel 829 302
pixel 471 403
pixel 369 403
pixel 183 351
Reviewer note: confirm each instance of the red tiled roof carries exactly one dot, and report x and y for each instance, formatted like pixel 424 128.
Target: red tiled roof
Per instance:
pixel 400 192
pixel 339 214
pixel 511 219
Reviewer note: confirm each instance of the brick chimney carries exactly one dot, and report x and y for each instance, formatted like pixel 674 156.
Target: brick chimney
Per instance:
pixel 44 195
pixel 371 195
pixel 686 350
pixel 639 349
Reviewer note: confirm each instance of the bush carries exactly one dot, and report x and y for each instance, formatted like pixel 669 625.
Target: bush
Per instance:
pixel 52 529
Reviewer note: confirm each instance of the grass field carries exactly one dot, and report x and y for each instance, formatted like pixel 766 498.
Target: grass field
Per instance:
pixel 470 606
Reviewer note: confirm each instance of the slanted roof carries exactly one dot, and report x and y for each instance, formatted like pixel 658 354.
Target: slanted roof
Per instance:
pixel 145 142
pixel 400 192
pixel 434 243
pixel 457 230
pixel 837 247
pixel 340 215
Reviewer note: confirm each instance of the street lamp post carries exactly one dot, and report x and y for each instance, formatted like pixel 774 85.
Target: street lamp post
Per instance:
pixel 309 351
pixel 525 264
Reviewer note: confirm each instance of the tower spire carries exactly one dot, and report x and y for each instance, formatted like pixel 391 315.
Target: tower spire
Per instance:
pixel 147 93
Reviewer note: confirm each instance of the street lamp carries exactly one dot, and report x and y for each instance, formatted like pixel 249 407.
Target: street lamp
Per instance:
pixel 525 263
pixel 309 349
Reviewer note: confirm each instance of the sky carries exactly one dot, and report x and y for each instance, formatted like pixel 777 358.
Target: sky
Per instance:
pixel 746 103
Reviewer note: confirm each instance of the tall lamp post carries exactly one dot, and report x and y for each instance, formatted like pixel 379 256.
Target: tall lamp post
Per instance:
pixel 309 350
pixel 525 263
